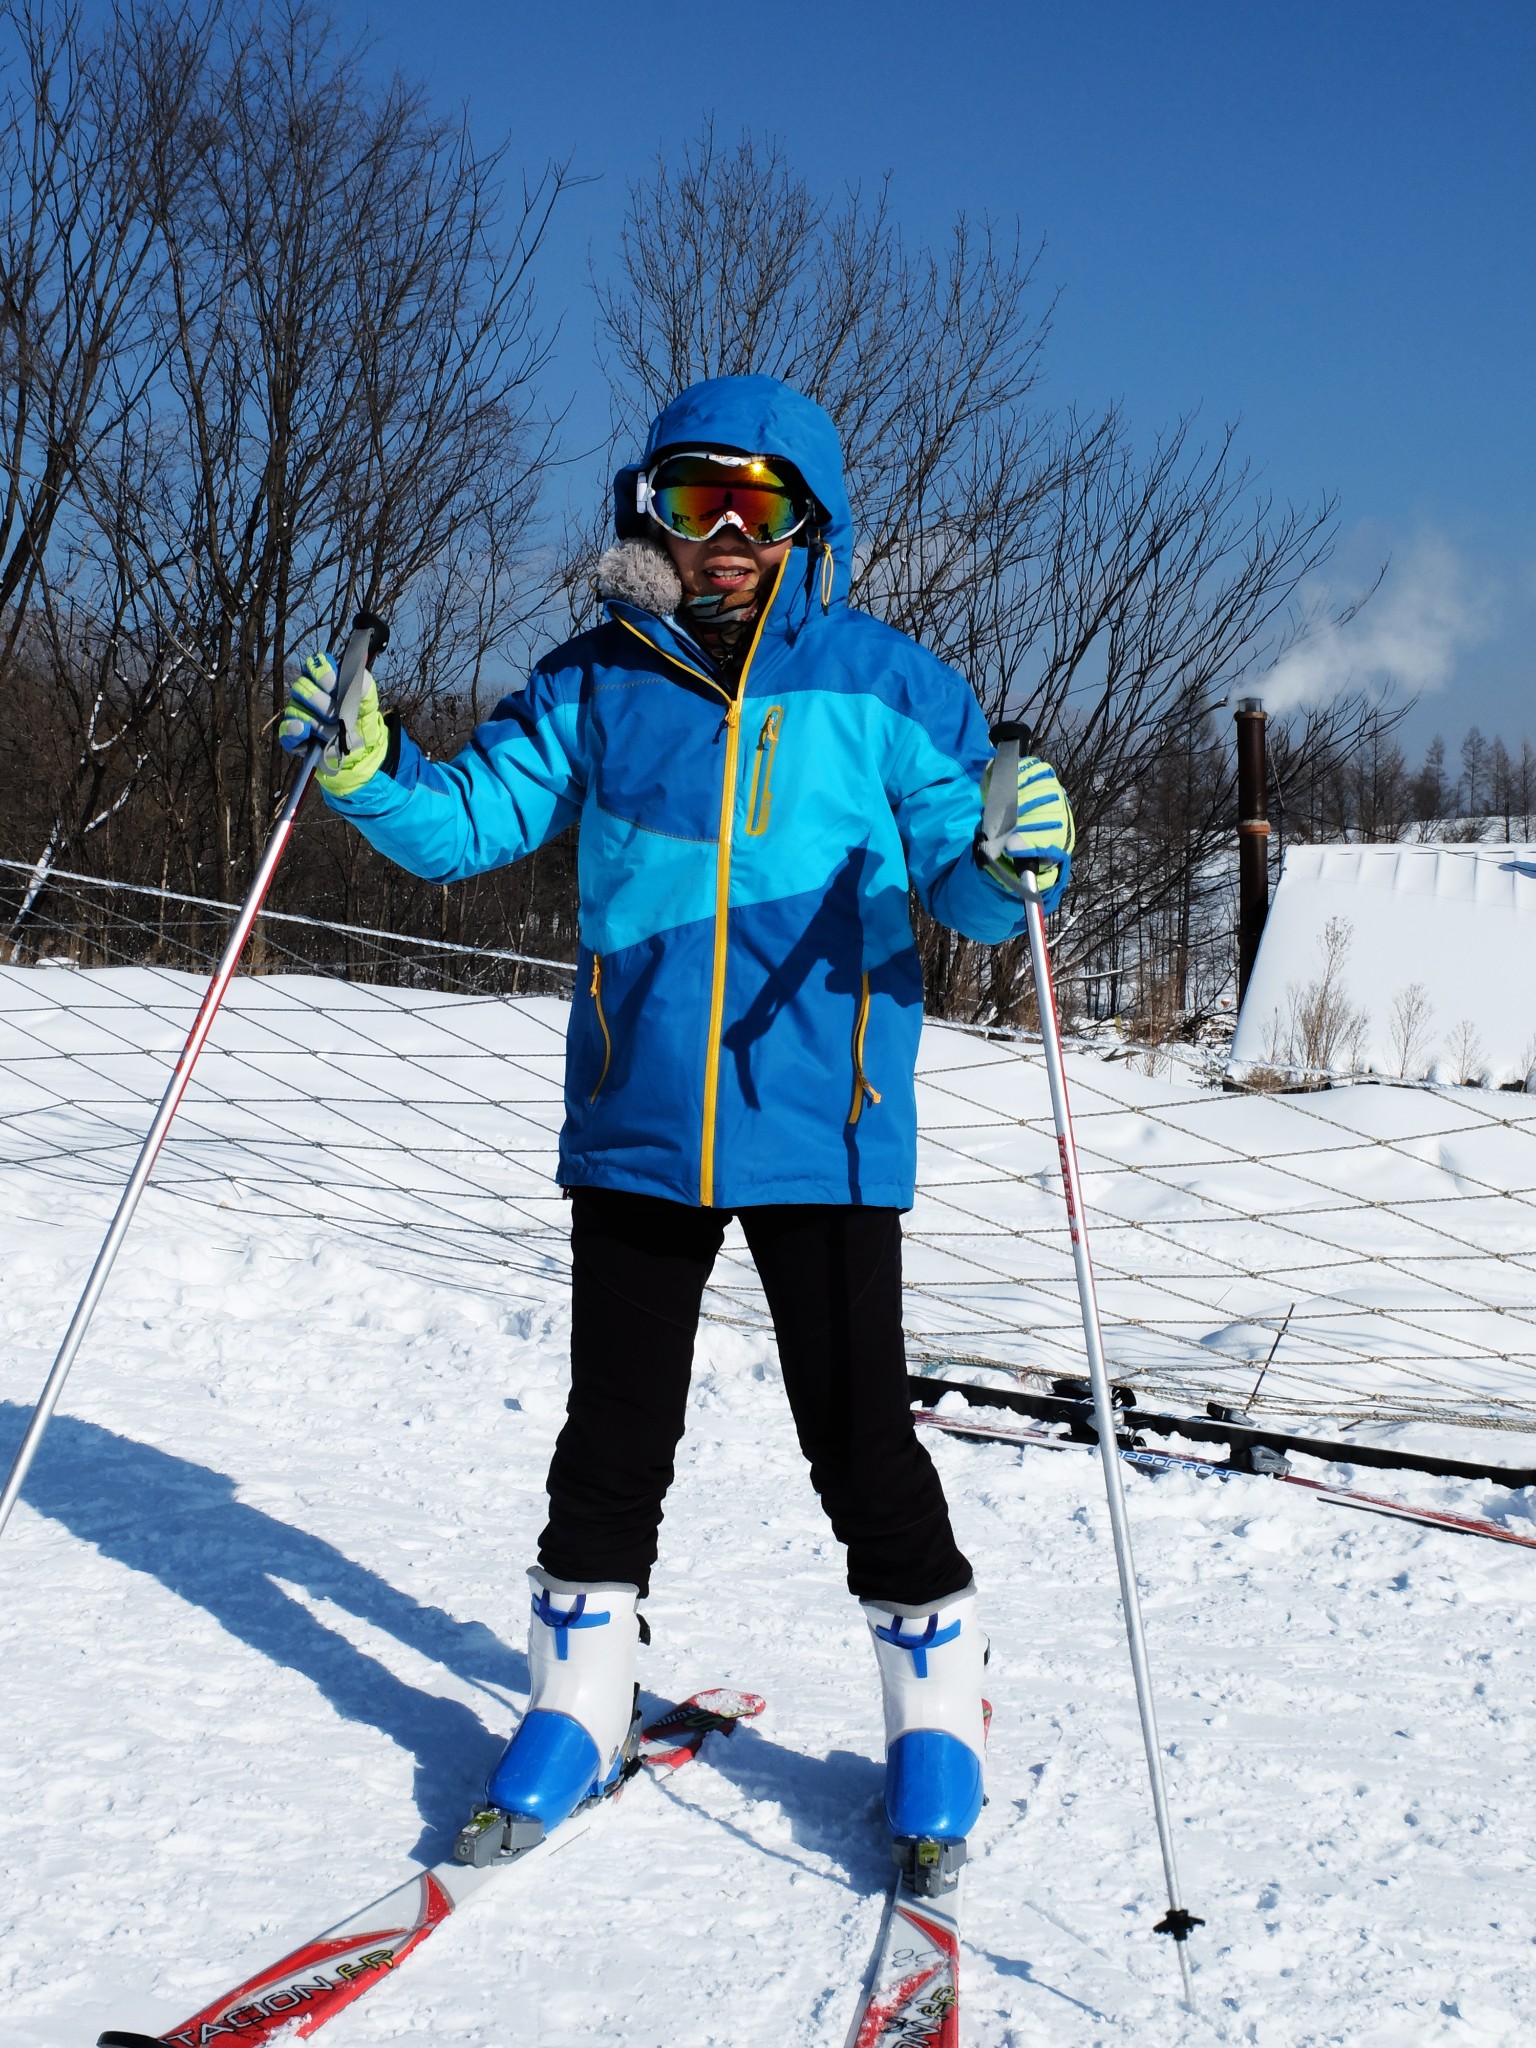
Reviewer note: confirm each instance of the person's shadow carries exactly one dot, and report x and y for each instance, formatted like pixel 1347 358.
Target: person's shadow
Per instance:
pixel 181 1524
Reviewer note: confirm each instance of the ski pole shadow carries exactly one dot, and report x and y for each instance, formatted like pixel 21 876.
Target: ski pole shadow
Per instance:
pixel 1006 1967
pixel 824 1799
pixel 180 1523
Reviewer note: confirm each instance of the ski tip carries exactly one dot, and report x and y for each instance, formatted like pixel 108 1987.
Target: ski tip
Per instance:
pixel 114 2037
pixel 678 1735
pixel 730 1706
pixel 721 1708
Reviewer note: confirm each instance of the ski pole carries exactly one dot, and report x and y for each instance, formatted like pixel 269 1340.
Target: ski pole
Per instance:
pixel 369 637
pixel 1002 812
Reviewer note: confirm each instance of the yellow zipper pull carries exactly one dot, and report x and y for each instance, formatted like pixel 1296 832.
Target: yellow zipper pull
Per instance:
pixel 602 1023
pixel 760 796
pixel 864 1090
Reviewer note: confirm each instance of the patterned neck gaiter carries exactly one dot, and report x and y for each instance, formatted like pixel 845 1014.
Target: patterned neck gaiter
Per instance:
pixel 721 629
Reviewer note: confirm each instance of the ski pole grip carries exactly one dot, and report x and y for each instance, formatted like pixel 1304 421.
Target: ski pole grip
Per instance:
pixel 377 630
pixel 1010 743
pixel 366 642
pixel 1000 814
pixel 1008 730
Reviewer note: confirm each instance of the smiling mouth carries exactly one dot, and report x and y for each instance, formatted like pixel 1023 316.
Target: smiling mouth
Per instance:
pixel 730 568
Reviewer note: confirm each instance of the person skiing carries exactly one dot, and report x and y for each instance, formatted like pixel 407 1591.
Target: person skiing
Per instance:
pixel 760 775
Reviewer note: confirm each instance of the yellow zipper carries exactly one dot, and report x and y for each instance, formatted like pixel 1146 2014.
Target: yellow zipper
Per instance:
pixel 863 1089
pixel 722 907
pixel 760 798
pixel 597 1000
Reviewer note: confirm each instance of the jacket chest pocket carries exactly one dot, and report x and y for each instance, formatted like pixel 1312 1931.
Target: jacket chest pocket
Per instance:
pixel 660 755
pixel 760 796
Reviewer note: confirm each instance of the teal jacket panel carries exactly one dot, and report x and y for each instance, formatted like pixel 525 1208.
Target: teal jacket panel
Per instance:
pixel 749 997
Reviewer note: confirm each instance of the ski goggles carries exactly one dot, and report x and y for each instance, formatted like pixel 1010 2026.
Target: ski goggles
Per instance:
pixel 695 495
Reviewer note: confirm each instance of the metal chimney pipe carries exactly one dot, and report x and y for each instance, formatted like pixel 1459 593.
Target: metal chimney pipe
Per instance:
pixel 1252 836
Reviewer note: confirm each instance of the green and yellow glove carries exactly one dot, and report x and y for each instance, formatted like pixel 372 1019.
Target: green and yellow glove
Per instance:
pixel 1043 832
pixel 310 713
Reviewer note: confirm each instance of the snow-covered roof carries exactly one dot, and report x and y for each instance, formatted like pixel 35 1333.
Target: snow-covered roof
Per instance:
pixel 1434 953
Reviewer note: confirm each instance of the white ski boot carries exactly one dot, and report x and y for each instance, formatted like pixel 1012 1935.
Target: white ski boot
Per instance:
pixel 571 1743
pixel 931 1660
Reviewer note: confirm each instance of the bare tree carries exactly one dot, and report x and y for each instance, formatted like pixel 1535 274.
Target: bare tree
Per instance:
pixel 86 140
pixel 314 389
pixel 89 671
pixel 1474 773
pixel 1501 776
pixel 84 129
pixel 1412 1018
pixel 1326 1030
pixel 925 360
pixel 349 414
pixel 1467 1055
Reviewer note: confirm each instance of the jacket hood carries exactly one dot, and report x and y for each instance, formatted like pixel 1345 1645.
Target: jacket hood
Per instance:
pixel 756 416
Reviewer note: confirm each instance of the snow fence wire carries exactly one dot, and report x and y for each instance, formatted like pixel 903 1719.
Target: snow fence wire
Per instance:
pixel 1377 1245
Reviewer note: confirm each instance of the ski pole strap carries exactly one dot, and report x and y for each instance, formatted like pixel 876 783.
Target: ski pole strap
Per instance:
pixel 1177 1922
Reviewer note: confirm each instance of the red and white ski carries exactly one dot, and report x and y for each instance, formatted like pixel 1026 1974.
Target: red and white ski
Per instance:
pixel 317 1981
pixel 676 1737
pixel 911 1995
pixel 1147 1460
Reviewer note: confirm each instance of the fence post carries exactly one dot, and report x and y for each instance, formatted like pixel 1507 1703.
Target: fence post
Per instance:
pixel 1252 837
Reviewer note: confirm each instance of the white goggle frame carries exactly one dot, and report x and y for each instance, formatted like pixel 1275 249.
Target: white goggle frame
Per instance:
pixel 645 498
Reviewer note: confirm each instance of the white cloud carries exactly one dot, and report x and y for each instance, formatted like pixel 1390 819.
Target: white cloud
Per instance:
pixel 1428 609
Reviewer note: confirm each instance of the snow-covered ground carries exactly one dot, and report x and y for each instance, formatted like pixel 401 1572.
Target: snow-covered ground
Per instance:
pixel 261 1612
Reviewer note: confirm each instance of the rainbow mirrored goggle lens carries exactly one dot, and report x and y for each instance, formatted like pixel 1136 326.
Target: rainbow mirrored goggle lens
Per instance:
pixel 693 496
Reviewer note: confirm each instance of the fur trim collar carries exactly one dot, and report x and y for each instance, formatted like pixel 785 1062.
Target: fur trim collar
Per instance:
pixel 640 572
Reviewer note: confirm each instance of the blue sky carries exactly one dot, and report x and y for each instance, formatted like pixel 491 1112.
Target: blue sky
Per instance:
pixel 1318 217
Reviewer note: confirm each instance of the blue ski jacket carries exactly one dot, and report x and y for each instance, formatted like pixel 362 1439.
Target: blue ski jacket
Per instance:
pixel 749 997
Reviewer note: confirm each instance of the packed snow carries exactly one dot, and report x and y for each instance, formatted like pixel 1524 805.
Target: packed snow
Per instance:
pixel 263 1612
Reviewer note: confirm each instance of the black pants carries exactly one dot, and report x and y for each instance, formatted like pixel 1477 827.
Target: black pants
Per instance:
pixel 833 1281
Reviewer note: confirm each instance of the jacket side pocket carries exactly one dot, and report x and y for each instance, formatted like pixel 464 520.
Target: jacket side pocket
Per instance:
pixel 864 1089
pixel 596 992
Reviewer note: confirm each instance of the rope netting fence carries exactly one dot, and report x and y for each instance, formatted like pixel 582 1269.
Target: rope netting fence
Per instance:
pixel 90 921
pixel 1358 1252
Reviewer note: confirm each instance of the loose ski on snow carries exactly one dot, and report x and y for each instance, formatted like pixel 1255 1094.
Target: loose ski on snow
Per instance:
pixel 316 1981
pixel 1210 1468
pixel 911 1996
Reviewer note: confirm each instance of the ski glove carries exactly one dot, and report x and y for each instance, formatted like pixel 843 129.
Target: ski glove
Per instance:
pixel 1045 832
pixel 310 714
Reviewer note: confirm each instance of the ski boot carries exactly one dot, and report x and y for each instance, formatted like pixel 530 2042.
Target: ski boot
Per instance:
pixel 578 1738
pixel 931 1660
